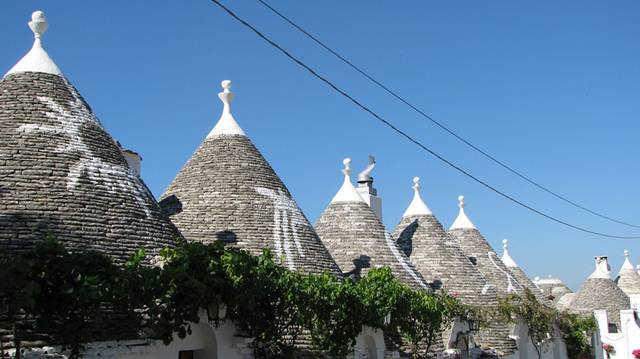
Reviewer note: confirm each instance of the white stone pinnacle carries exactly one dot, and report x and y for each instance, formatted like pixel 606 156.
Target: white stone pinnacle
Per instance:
pixel 37 59
pixel 506 258
pixel 347 193
pixel 627 262
pixel 417 207
pixel 462 221
pixel 226 125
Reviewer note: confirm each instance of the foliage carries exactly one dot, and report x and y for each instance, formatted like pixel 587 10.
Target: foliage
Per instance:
pixel 17 295
pixel 333 313
pixel 80 283
pixel 636 353
pixel 577 330
pixel 265 302
pixel 190 279
pixel 71 297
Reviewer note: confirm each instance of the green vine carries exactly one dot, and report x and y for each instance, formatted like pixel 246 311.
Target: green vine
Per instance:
pixel 75 298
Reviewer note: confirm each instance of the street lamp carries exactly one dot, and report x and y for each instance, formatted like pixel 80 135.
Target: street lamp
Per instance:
pixel 216 312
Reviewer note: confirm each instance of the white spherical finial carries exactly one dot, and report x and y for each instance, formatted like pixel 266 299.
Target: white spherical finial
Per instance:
pixel 626 253
pixel 461 201
pixel 38 23
pixel 416 184
pixel 505 243
pixel 536 279
pixel 226 96
pixel 347 166
pixel 226 85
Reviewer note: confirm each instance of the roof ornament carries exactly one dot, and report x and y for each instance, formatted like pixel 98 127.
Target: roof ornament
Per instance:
pixel 226 125
pixel 37 59
pixel 603 271
pixel 365 176
pixel 38 24
pixel 627 262
pixel 347 193
pixel 506 257
pixel 462 221
pixel 417 207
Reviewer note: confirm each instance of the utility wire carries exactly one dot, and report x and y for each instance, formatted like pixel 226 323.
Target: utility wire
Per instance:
pixel 407 136
pixel 439 124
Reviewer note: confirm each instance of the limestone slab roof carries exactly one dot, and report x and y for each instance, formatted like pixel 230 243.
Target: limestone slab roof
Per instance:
pixel 519 274
pixel 440 260
pixel 358 242
pixel 437 256
pixel 601 294
pixel 62 174
pixel 478 250
pixel 628 279
pixel 227 191
pixel 552 288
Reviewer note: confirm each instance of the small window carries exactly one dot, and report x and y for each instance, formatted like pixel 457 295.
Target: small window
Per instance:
pixel 185 354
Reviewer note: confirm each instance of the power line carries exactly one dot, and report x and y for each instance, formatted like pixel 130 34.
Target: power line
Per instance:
pixel 439 124
pixel 407 136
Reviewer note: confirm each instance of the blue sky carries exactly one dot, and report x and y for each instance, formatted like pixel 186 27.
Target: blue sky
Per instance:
pixel 551 88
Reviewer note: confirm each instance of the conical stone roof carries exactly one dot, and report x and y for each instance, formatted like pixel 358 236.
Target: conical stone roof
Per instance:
pixel 358 241
pixel 519 274
pixel 599 292
pixel 628 279
pixel 60 171
pixel 227 191
pixel 437 256
pixel 478 250
pixel 552 288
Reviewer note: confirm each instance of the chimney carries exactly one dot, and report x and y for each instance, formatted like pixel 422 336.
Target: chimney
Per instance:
pixel 602 268
pixel 133 160
pixel 366 190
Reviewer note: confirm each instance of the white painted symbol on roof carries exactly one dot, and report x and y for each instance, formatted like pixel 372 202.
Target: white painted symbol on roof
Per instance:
pixel 287 218
pixel 116 178
pixel 510 280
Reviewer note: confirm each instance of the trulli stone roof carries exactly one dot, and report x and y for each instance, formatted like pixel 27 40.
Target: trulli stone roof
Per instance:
pixel 441 262
pixel 227 191
pixel 478 250
pixel 437 256
pixel 599 292
pixel 61 173
pixel 628 279
pixel 358 241
pixel 519 274
pixel 552 288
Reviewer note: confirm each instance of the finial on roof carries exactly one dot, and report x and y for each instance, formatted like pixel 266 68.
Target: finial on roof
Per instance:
pixel 365 176
pixel 38 24
pixel 462 221
pixel 37 59
pixel 627 262
pixel 347 193
pixel 226 125
pixel 506 257
pixel 347 167
pixel 417 206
